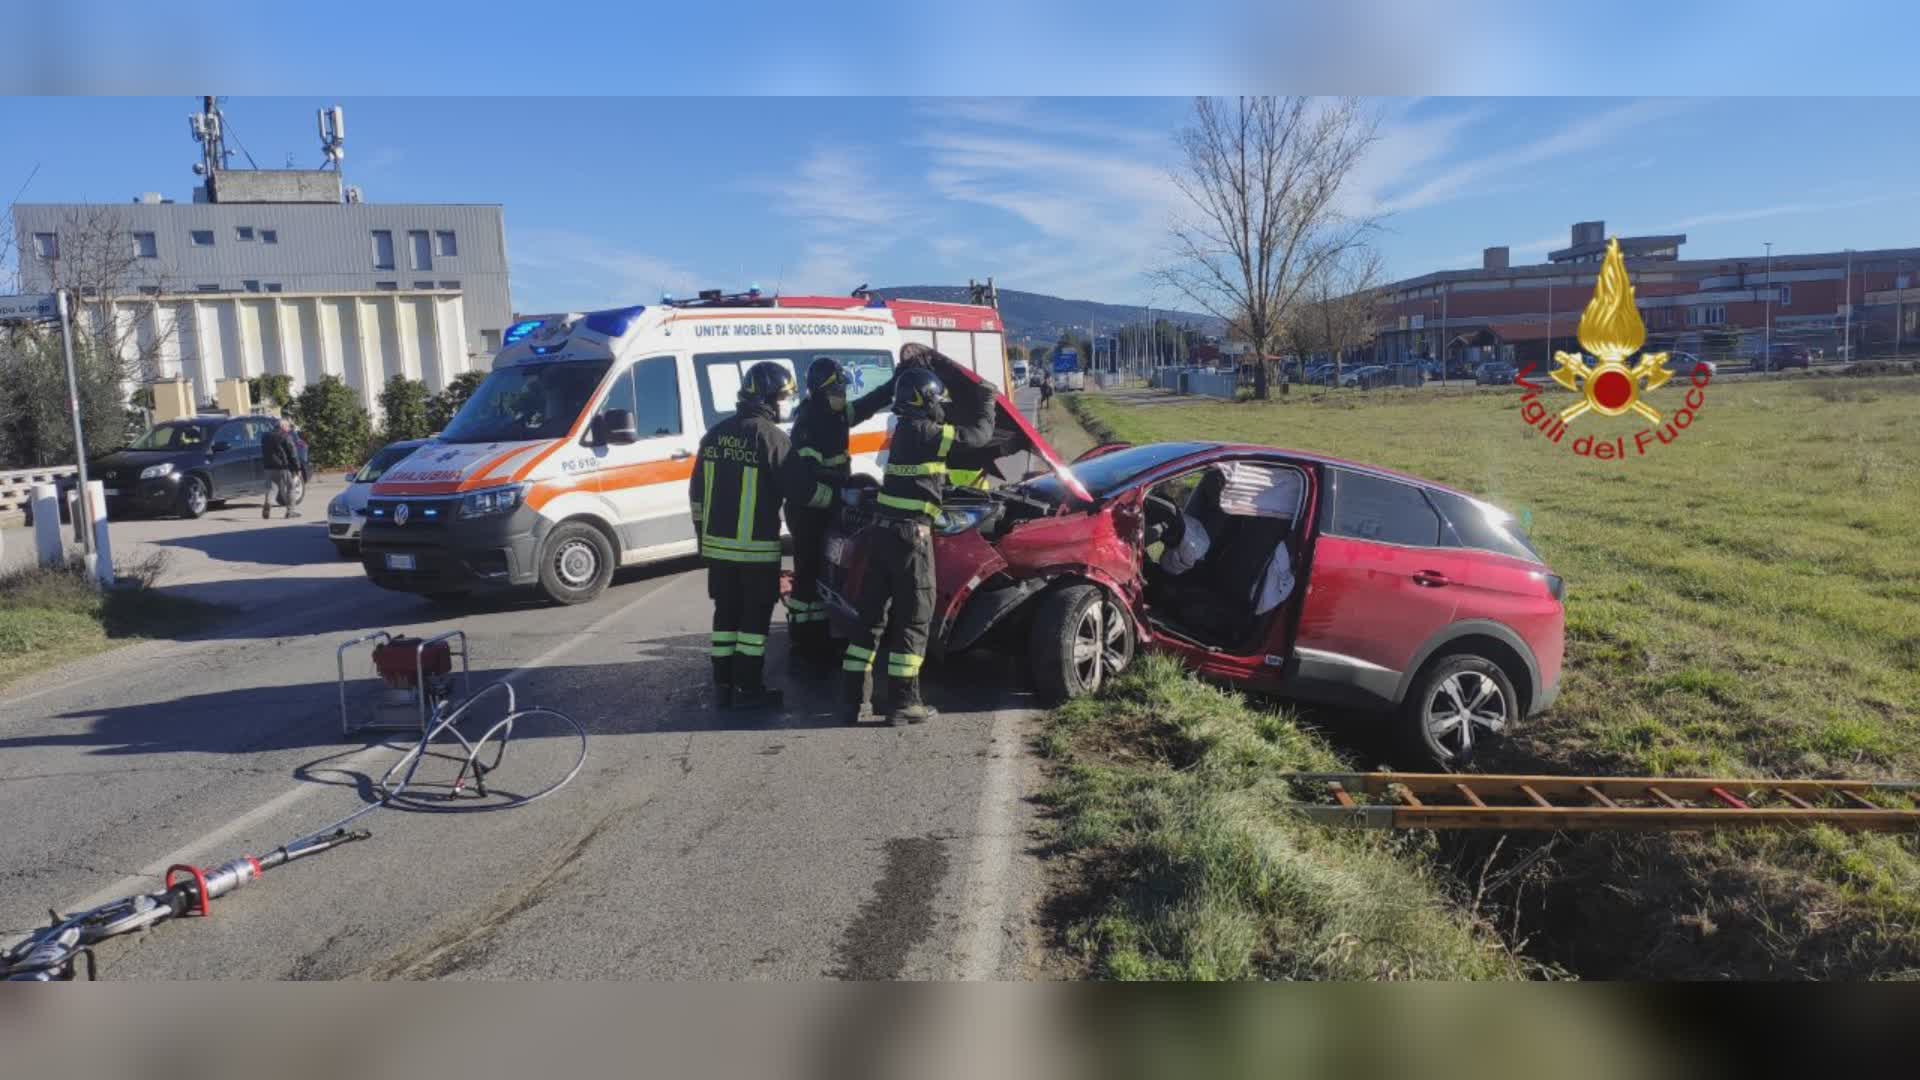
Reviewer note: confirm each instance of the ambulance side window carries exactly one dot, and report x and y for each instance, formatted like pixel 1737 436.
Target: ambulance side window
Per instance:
pixel 656 394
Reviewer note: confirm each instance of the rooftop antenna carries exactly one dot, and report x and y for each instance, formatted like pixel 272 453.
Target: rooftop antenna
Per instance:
pixel 209 130
pixel 333 135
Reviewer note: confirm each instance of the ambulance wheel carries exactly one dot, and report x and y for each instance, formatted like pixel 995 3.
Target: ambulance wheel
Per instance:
pixel 576 563
pixel 1081 638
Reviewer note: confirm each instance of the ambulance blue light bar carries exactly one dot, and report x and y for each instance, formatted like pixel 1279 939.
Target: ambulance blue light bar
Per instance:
pixel 520 330
pixel 614 321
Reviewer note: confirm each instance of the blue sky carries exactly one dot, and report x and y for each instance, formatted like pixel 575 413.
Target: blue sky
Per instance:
pixel 611 200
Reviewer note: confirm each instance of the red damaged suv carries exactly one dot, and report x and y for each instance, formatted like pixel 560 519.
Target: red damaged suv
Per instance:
pixel 1274 570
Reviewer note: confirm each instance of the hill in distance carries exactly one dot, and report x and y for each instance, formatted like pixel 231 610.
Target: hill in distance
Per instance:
pixel 1038 317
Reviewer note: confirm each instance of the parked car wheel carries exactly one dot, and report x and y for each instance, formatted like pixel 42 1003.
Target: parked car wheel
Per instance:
pixel 193 497
pixel 299 492
pixel 1458 705
pixel 1081 638
pixel 575 563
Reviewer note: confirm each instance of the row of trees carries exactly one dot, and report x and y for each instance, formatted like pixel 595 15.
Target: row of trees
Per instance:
pixel 340 431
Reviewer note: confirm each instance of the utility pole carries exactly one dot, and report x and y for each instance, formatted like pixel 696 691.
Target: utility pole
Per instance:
pixel 1549 358
pixel 1767 349
pixel 84 507
pixel 1846 335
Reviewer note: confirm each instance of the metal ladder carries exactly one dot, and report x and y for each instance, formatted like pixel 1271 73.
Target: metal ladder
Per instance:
pixel 1647 803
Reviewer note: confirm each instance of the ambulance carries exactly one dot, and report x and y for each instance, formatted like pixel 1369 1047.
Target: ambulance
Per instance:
pixel 572 458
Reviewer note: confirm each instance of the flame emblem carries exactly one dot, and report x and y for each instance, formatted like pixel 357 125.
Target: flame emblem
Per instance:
pixel 1611 330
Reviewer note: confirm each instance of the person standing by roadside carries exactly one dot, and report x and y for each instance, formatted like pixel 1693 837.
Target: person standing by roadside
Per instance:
pixel 735 495
pixel 896 594
pixel 282 461
pixel 819 467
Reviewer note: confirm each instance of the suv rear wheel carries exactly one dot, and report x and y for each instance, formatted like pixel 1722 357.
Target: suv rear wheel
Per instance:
pixel 1081 638
pixel 576 563
pixel 1458 705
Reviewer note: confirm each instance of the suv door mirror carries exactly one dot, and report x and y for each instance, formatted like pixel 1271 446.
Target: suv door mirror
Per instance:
pixel 617 428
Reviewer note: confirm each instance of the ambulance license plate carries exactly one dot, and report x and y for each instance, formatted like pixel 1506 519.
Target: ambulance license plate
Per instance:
pixel 399 562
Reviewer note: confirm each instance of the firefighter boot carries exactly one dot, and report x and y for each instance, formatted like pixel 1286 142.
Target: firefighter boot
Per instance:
pixel 723 682
pixel 907 708
pixel 749 690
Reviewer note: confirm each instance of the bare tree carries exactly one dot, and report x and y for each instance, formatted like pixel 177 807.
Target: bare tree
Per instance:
pixel 1263 176
pixel 100 262
pixel 1342 306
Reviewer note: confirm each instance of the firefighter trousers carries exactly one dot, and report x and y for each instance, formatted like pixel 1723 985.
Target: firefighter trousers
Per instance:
pixel 806 612
pixel 896 597
pixel 743 598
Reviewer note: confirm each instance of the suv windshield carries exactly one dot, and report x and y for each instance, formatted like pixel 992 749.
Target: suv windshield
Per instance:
pixel 527 401
pixel 387 458
pixel 171 437
pixel 1109 472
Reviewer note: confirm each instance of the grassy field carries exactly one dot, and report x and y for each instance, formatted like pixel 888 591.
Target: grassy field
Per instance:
pixel 1743 601
pixel 49 617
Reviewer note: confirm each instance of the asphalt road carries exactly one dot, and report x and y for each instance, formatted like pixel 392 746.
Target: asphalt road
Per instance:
pixel 694 845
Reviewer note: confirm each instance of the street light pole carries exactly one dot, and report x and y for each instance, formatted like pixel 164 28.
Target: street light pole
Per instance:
pixel 1767 349
pixel 1846 335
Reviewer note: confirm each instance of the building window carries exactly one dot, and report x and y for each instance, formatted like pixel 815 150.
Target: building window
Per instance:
pixel 150 290
pixel 250 285
pixel 46 245
pixel 490 340
pixel 202 237
pixel 422 253
pixel 273 286
pixel 382 249
pixel 387 286
pixel 146 246
pixel 206 288
pixel 1706 316
pixel 243 232
pixel 449 284
pixel 423 284
pixel 269 236
pixel 447 245
pixel 1786 296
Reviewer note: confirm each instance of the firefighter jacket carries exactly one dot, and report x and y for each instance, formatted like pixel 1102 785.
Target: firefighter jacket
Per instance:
pixel 916 470
pixel 820 464
pixel 736 487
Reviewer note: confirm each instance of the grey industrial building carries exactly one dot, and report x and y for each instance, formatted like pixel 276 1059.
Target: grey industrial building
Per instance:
pixel 289 231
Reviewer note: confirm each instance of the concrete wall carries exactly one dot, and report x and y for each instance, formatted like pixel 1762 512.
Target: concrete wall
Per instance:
pixel 317 248
pixel 363 337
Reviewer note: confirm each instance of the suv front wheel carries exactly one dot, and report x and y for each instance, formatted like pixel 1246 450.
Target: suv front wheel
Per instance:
pixel 1458 706
pixel 1081 638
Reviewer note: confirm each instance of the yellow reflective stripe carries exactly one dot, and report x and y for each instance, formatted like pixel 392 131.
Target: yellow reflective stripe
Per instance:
pixel 724 555
pixel 855 652
pixel 743 545
pixel 753 644
pixel 749 494
pixel 915 505
pixel 946 439
pixel 706 497
pixel 837 459
pixel 967 478
pixel 822 497
pixel 904 665
pixel 722 636
pixel 808 451
pixel 925 468
pixel 723 641
pixel 721 652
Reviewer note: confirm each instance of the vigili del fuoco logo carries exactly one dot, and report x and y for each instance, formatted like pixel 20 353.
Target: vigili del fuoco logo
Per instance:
pixel 1611 331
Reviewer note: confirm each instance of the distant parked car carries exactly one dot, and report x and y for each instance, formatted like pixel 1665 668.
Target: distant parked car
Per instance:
pixel 185 467
pixel 1366 377
pixel 1783 355
pixel 1684 363
pixel 1493 373
pixel 348 510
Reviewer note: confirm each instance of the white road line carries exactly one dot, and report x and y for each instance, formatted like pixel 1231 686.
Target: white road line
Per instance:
pixel 199 847
pixel 983 909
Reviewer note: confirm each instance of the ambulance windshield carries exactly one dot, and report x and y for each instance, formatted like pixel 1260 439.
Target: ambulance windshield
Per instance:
pixel 527 401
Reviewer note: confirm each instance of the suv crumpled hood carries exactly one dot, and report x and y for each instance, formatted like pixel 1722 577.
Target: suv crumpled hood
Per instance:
pixel 1012 434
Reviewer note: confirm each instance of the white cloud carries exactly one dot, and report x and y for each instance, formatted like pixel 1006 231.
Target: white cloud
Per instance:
pixel 833 190
pixel 1728 217
pixel 1023 115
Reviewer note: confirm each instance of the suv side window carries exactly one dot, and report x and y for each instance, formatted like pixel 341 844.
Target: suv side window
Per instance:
pixel 1387 511
pixel 234 434
pixel 1474 525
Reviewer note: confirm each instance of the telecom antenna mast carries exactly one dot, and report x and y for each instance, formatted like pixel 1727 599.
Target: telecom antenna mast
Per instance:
pixel 333 136
pixel 209 130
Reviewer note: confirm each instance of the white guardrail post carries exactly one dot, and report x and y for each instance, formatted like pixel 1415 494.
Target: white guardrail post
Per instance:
pixel 101 568
pixel 46 526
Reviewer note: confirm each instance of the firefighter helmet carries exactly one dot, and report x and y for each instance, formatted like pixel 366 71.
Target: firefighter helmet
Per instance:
pixel 768 382
pixel 827 376
pixel 918 392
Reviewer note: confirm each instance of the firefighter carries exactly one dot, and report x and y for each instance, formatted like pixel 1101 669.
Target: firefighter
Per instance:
pixel 896 593
pixel 816 472
pixel 736 493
